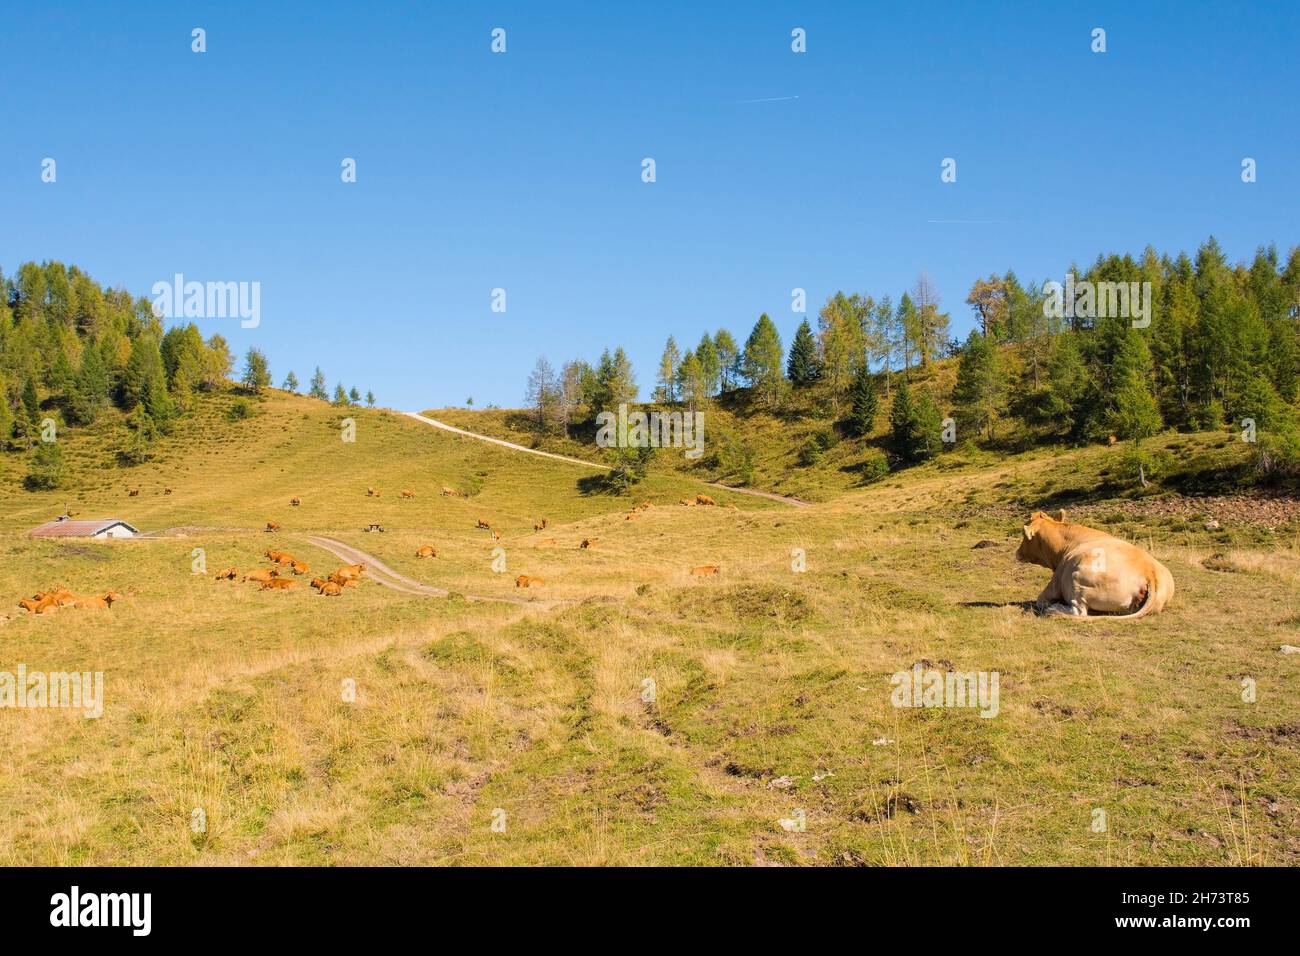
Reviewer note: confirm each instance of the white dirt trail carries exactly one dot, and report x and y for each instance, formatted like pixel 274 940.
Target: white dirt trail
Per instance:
pixel 771 496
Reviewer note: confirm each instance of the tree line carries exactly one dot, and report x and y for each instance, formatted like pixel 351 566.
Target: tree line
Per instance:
pixel 70 349
pixel 1217 343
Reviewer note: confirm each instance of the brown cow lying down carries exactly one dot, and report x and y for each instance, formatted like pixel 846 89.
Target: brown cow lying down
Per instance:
pixel 330 589
pixel 279 557
pixel 60 595
pixel 298 567
pixel 278 584
pixel 1093 573
pixel 344 580
pixel 524 581
pixel 262 575
pixel 98 603
pixel 45 605
pixel 427 551
pixel 229 574
pixel 704 500
pixel 318 583
pixel 352 570
pixel 272 526
pixel 705 569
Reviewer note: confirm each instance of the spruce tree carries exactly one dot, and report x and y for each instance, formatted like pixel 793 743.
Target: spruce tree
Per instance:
pixel 862 413
pixel 761 362
pixel 980 393
pixel 803 368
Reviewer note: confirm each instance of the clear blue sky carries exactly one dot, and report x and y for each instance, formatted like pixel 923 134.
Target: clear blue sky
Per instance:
pixel 522 170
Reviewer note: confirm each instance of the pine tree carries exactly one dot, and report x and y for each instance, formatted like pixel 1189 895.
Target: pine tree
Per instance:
pixel 668 363
pixel 761 361
pixel 803 369
pixel 340 395
pixel 706 353
pixel 370 399
pixel 257 374
pixel 728 359
pixel 290 383
pixel 915 425
pixel 862 415
pixel 354 396
pixel 317 389
pixel 90 392
pixel 980 392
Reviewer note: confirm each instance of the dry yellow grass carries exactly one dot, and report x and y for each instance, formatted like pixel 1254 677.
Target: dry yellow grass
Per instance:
pixel 627 713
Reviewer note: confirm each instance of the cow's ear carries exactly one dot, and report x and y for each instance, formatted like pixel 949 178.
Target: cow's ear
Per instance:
pixel 1060 515
pixel 1029 532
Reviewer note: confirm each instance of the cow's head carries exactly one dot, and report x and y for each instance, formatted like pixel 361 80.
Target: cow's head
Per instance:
pixel 1040 544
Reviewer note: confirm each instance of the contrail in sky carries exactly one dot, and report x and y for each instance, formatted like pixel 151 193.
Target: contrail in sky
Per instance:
pixel 769 99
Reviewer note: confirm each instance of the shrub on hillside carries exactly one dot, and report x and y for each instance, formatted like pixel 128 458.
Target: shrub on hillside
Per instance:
pixel 46 472
pixel 817 445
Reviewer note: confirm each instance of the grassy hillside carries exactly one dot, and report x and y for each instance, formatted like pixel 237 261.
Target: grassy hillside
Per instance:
pixel 768 688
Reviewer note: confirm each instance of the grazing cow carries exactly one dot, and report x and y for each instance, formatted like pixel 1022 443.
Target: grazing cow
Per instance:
pixel 272 526
pixel 406 494
pixel 318 583
pixel 704 500
pixel 295 501
pixel 278 584
pixel 229 574
pixel 496 535
pixel 547 541
pixel 524 581
pixel 330 589
pixel 262 575
pixel 483 524
pixel 704 570
pixel 298 567
pixel 279 557
pixel 450 492
pixel 133 492
pixel 427 551
pixel 167 491
pixel 541 525
pixel 587 543
pixel 371 493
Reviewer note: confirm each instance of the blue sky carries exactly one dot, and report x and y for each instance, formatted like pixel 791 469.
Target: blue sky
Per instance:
pixel 523 170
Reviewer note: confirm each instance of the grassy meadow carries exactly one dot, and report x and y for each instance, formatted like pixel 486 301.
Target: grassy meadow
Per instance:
pixel 628 712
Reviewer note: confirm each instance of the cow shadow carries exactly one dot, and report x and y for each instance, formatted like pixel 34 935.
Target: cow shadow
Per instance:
pixel 1026 606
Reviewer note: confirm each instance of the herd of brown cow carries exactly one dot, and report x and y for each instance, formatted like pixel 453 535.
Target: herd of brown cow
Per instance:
pixel 270 579
pixel 47 602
